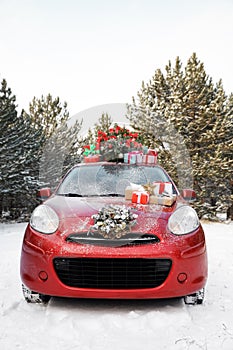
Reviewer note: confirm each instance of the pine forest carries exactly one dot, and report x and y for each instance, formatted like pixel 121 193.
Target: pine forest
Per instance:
pixel 180 112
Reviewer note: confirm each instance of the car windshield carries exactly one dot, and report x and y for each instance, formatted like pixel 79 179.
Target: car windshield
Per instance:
pixel 108 179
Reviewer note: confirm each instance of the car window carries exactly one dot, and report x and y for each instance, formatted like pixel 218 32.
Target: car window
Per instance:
pixel 108 179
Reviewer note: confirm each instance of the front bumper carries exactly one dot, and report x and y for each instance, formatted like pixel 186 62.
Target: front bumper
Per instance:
pixel 188 271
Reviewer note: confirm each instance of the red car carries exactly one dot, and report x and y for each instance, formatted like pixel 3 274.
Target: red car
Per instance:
pixel 88 241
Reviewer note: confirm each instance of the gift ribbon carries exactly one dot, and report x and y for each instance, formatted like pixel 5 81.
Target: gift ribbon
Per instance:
pixel 162 187
pixel 140 197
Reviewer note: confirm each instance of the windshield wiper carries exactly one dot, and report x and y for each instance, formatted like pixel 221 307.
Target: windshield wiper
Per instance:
pixel 111 195
pixel 70 194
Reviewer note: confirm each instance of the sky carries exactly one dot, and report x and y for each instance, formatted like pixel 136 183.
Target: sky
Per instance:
pixel 93 53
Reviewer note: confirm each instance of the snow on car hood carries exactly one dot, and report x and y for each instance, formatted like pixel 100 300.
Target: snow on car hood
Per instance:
pixel 75 213
pixel 73 207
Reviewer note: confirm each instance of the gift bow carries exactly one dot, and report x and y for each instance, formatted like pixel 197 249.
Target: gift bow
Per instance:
pixel 152 152
pixel 90 150
pixel 149 188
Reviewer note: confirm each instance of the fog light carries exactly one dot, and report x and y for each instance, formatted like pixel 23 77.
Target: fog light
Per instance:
pixel 43 275
pixel 182 277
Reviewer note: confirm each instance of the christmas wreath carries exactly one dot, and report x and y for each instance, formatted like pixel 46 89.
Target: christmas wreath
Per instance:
pixel 113 221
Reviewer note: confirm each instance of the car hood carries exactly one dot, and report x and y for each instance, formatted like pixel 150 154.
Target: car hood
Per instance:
pixel 75 214
pixel 73 207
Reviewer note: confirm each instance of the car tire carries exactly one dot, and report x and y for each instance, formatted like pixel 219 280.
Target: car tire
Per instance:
pixel 195 298
pixel 34 297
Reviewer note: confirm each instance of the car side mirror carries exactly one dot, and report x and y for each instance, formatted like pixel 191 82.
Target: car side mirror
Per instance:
pixel 189 195
pixel 44 193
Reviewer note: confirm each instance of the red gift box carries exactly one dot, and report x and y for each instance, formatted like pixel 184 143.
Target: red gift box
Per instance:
pixel 92 159
pixel 140 197
pixel 160 187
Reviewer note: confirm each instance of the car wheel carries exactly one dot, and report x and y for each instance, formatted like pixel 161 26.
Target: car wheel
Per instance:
pixel 34 297
pixel 195 298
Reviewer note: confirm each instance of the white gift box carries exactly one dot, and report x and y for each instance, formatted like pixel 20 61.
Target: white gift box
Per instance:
pixel 162 187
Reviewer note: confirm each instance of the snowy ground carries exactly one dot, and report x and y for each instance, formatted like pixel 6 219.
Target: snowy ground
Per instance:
pixel 68 324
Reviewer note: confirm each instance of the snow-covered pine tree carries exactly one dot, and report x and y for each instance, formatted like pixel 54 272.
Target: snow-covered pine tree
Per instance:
pixel 59 150
pixel 227 148
pixel 18 148
pixel 159 104
pixel 189 119
pixel 212 165
pixel 49 113
pixel 103 123
pixel 74 143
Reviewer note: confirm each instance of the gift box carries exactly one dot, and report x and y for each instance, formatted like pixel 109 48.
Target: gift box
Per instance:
pixel 162 187
pixel 162 200
pixel 149 159
pixel 131 188
pixel 140 197
pixel 152 152
pixel 91 153
pixel 134 157
pixel 130 158
pixel 92 159
pixel 139 157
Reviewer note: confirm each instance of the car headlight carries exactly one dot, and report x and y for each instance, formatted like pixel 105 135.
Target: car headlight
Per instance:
pixel 44 219
pixel 184 220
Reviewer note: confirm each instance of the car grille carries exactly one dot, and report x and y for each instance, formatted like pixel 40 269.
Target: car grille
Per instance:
pixel 112 273
pixel 96 239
